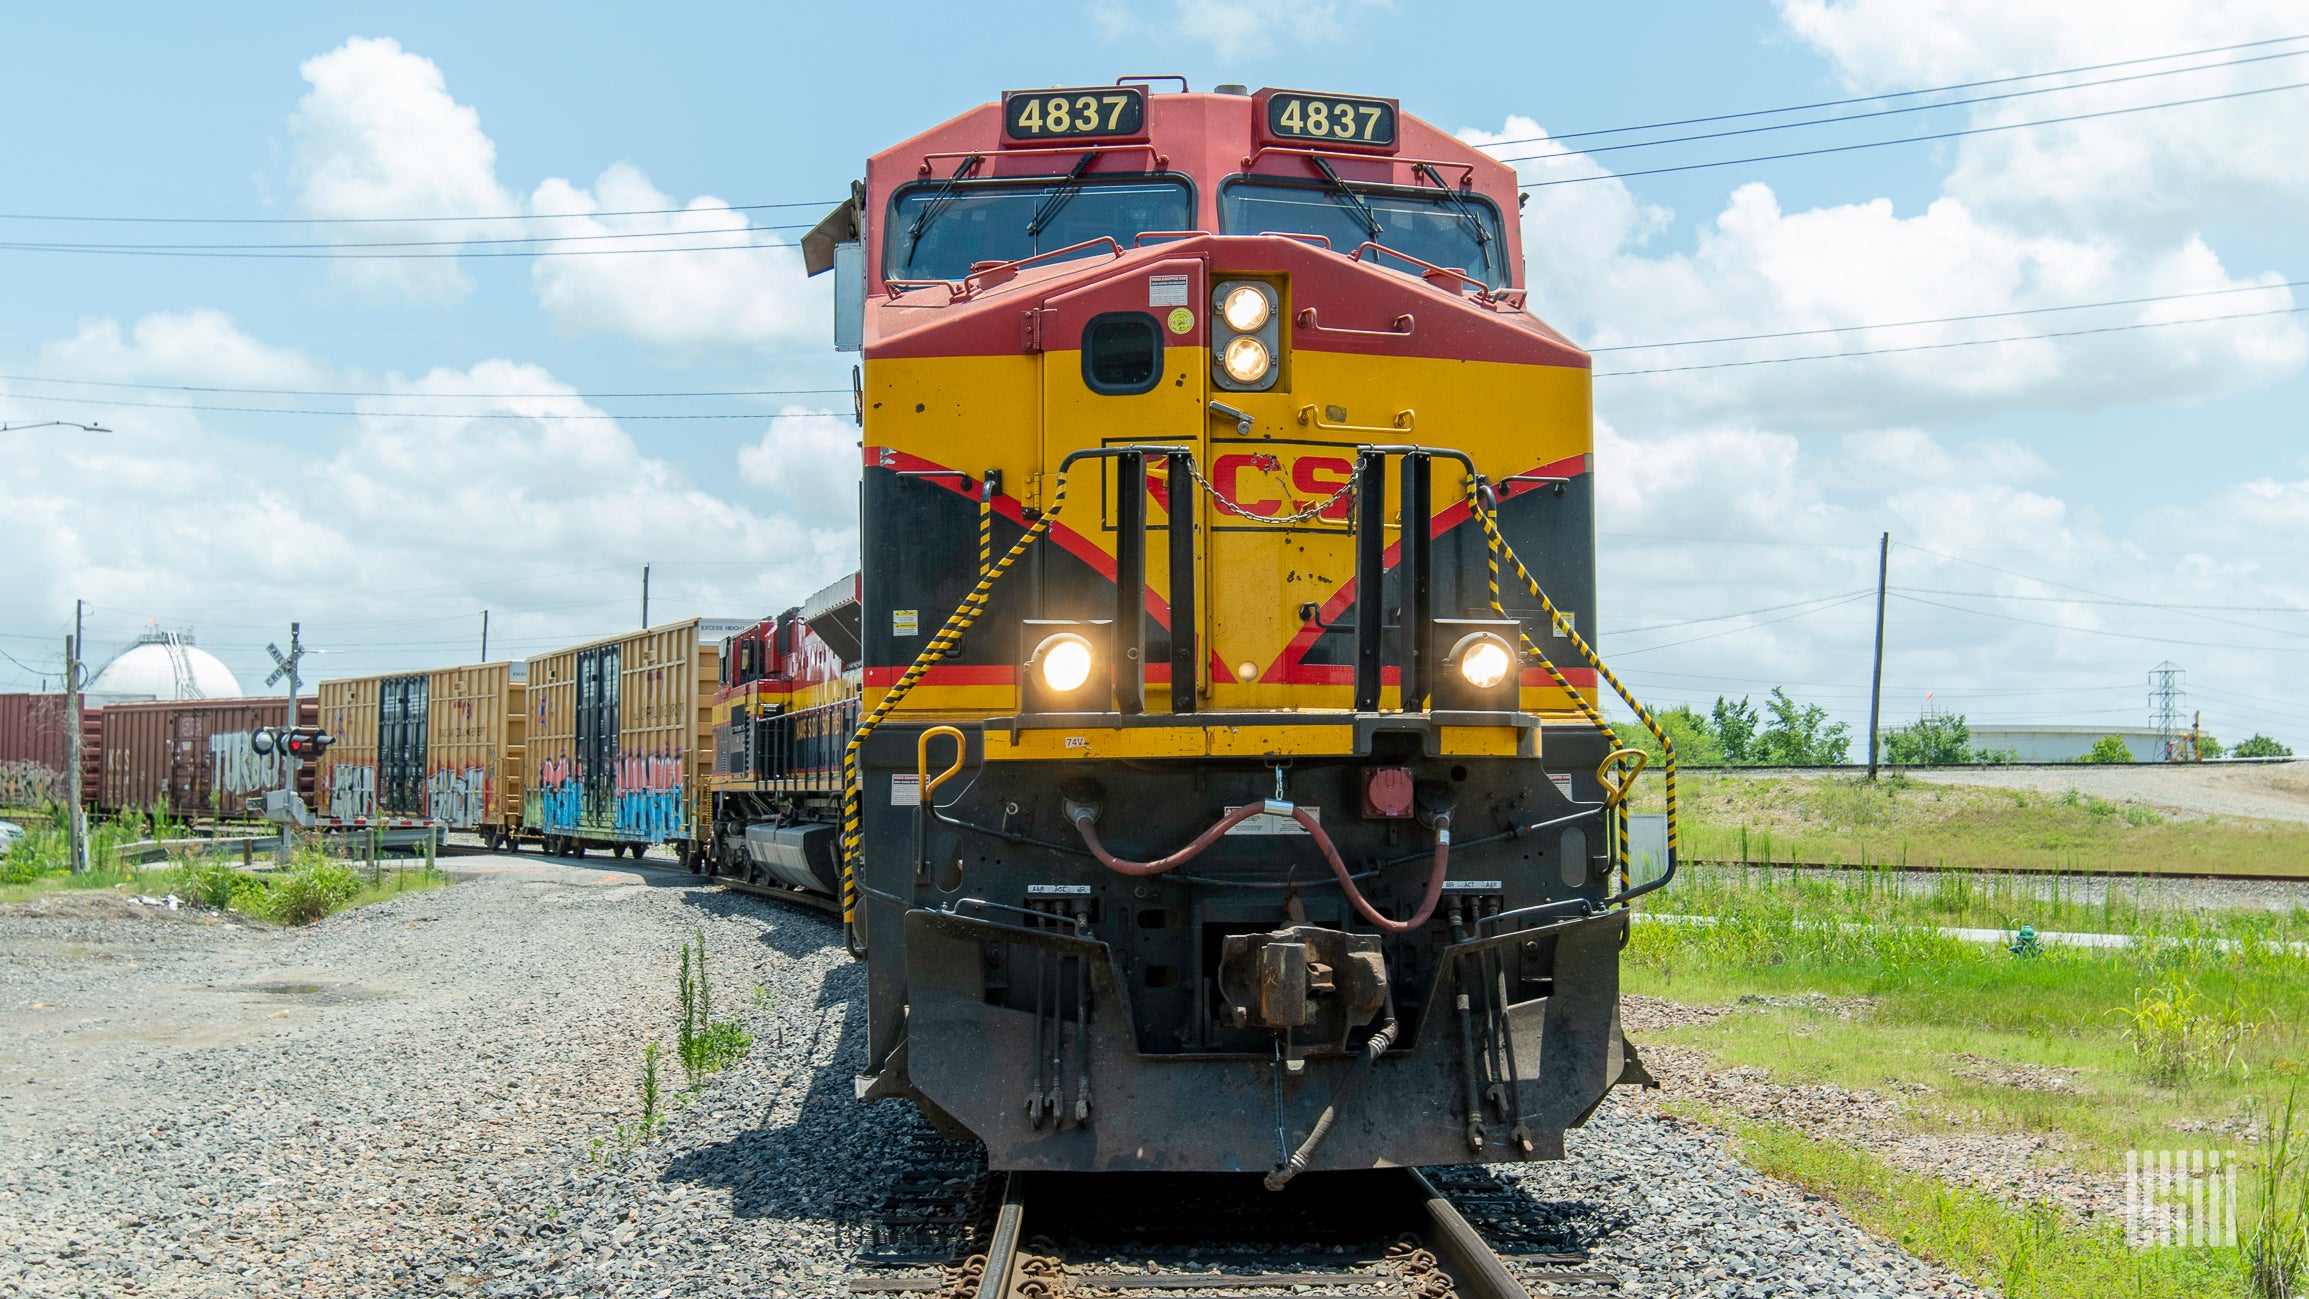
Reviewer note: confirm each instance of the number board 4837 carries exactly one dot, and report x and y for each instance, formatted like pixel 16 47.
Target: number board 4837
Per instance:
pixel 1098 112
pixel 1333 121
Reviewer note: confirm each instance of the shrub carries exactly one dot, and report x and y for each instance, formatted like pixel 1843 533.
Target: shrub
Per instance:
pixel 2260 746
pixel 2177 1031
pixel 313 889
pixel 2108 748
pixel 209 884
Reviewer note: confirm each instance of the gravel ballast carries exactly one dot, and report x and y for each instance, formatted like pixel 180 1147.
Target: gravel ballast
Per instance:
pixel 423 1097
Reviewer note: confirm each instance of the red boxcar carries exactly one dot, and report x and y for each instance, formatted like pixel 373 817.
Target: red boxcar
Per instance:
pixel 33 750
pixel 193 758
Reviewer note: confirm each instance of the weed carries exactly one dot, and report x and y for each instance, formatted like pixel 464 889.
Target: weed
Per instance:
pixel 2177 1032
pixel 210 884
pixel 631 1135
pixel 703 1046
pixel 2276 1252
pixel 315 887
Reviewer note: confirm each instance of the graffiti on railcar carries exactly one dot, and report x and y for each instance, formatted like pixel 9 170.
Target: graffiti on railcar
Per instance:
pixel 555 804
pixel 29 784
pixel 650 796
pixel 352 790
pixel 236 769
pixel 460 798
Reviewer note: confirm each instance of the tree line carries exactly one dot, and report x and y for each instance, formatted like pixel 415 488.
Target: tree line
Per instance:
pixel 1790 734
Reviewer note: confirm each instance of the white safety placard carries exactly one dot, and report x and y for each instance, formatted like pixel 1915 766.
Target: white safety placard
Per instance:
pixel 1166 291
pixel 1562 782
pixel 905 622
pixel 1265 823
pixel 905 789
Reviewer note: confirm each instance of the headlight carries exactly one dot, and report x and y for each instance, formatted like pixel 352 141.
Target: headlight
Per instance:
pixel 1485 664
pixel 1247 360
pixel 1064 661
pixel 1245 309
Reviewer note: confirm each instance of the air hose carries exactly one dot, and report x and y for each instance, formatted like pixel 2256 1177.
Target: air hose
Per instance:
pixel 1300 1158
pixel 1084 816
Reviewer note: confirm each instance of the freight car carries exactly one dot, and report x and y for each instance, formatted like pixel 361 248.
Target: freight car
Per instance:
pixel 191 758
pixel 1230 790
pixel 619 740
pixel 444 745
pixel 33 750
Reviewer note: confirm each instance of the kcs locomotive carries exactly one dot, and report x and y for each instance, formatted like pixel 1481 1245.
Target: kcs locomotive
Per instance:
pixel 1207 754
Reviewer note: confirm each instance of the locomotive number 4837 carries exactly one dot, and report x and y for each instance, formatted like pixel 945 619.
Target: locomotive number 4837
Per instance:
pixel 1038 115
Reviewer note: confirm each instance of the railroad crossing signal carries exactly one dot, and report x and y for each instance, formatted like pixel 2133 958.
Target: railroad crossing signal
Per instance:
pixel 285 665
pixel 303 742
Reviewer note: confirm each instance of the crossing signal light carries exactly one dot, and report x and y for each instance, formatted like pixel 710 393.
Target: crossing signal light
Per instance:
pixel 303 742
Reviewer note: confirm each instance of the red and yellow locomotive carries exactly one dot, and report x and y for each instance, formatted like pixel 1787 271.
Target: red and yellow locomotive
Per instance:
pixel 1224 786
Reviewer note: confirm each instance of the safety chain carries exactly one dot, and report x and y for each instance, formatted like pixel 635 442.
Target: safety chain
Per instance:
pixel 1346 492
pixel 1495 546
pixel 948 637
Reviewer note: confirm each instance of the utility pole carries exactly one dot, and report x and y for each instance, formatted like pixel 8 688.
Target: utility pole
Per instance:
pixel 76 826
pixel 485 635
pixel 1876 683
pixel 645 597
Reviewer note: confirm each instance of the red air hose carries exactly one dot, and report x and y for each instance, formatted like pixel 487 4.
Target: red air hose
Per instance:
pixel 1362 905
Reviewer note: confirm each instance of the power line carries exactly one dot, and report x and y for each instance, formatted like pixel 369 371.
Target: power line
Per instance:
pixel 406 243
pixel 2100 631
pixel 1881 144
pixel 2138 604
pixel 443 396
pixel 2070 586
pixel 400 220
pixel 1901 94
pixel 427 414
pixel 1954 320
pixel 1969 342
pixel 1721 617
pixel 1925 108
pixel 226 250
pixel 1729 631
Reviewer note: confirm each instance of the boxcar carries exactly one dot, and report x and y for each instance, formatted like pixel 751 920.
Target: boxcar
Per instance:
pixel 192 758
pixel 441 745
pixel 33 750
pixel 620 740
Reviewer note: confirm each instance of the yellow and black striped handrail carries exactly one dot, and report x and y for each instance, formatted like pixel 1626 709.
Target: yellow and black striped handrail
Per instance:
pixel 947 638
pixel 1495 545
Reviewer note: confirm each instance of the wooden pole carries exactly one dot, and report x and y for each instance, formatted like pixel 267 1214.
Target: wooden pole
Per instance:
pixel 1876 683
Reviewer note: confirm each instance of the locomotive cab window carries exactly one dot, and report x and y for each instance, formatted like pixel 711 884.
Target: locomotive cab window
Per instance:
pixel 938 228
pixel 1122 352
pixel 1456 228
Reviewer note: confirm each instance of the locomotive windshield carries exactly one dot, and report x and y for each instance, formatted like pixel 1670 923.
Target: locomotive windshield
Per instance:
pixel 938 228
pixel 1442 227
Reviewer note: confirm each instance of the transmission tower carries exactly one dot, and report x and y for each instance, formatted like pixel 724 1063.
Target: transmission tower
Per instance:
pixel 2165 708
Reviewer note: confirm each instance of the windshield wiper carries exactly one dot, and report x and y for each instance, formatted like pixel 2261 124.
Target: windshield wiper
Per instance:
pixel 1354 200
pixel 1466 210
pixel 1060 194
pixel 936 206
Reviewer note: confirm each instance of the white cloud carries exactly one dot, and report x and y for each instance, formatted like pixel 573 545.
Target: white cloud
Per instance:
pixel 1758 269
pixel 1236 28
pixel 809 466
pixel 491 486
pixel 201 346
pixel 742 286
pixel 379 135
pixel 2156 173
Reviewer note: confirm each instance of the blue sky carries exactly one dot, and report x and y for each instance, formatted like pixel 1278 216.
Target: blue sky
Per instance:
pixel 2092 474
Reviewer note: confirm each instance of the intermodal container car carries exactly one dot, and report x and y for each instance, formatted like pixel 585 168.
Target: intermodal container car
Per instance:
pixel 441 745
pixel 192 758
pixel 620 739
pixel 33 750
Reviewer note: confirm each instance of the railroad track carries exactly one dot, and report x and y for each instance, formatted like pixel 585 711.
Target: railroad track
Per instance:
pixel 2047 872
pixel 1220 1236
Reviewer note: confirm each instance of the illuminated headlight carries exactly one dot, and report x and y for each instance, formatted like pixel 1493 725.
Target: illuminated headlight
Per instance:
pixel 1245 309
pixel 1481 669
pixel 1486 663
pixel 1064 662
pixel 1065 666
pixel 1247 360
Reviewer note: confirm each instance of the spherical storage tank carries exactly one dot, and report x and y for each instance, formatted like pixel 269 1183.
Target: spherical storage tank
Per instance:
pixel 164 665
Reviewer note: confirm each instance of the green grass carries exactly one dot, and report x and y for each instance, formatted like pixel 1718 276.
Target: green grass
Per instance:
pixel 315 885
pixel 1850 821
pixel 2028 1252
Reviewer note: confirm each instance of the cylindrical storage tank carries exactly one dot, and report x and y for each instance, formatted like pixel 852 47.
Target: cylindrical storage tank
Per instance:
pixel 620 735
pixel 34 748
pixel 192 758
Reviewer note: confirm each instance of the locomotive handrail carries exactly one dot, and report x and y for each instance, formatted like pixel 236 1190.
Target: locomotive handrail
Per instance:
pixel 1632 761
pixel 1402 327
pixel 1484 293
pixel 983 277
pixel 1014 150
pixel 1251 159
pixel 922 760
pixel 1495 546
